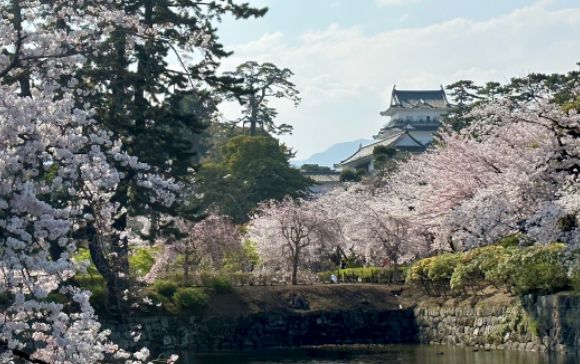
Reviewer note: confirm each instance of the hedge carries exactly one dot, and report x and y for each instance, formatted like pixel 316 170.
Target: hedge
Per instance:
pixel 365 275
pixel 537 269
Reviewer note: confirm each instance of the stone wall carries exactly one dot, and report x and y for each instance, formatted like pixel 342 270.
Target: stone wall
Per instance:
pixel 183 334
pixel 545 324
pixel 548 323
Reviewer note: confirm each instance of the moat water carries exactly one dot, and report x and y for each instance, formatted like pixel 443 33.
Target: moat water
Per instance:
pixel 394 354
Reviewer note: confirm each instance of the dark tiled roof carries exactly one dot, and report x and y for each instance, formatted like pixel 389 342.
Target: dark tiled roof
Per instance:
pixel 421 98
pixel 366 152
pixel 415 127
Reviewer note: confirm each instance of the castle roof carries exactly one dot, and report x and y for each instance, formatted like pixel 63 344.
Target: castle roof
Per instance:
pixel 401 139
pixel 415 99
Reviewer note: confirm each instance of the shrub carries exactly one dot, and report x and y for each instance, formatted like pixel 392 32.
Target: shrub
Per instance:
pixel 165 288
pixel 241 279
pixel 190 299
pixel 157 298
pixel 417 275
pixel 440 271
pixel 536 269
pixel 466 275
pixel 220 284
pixel 434 274
pixel 349 175
pixel 510 241
pixel 364 275
pixel 479 268
pixel 86 281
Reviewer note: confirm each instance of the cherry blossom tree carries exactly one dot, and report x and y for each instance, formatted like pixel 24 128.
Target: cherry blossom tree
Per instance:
pixel 290 235
pixel 375 225
pixel 515 169
pixel 207 241
pixel 58 174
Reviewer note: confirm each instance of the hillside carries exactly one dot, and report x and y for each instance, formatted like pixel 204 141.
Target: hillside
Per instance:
pixel 333 154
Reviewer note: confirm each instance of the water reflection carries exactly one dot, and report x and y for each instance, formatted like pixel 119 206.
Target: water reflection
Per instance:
pixel 383 355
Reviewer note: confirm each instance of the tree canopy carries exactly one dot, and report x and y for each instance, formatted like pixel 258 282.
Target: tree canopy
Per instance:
pixel 252 170
pixel 260 83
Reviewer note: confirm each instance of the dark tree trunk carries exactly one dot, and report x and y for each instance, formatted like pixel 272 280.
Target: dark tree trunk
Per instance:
pixel 295 261
pixel 153 226
pixel 186 264
pixel 143 72
pixel 254 115
pixel 23 79
pixel 115 283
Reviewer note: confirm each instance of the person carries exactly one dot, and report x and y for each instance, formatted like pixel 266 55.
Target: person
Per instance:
pixel 333 278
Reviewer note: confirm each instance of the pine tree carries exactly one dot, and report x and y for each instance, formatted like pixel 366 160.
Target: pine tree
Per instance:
pixel 260 83
pixel 154 109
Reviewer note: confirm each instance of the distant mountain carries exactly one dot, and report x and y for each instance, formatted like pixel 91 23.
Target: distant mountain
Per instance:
pixel 334 154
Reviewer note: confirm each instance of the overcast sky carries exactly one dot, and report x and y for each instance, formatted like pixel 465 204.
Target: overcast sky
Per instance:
pixel 347 54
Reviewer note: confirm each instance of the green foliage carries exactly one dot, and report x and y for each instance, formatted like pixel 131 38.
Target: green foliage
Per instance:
pixel 58 297
pixel 385 158
pixel 535 269
pixel 480 267
pixel 154 109
pixel 349 175
pixel 141 260
pixel 315 168
pixel 253 169
pixel 571 104
pixel 219 283
pixel 165 288
pixel 87 280
pixel 441 269
pixel 364 275
pixel 261 83
pixel 244 260
pixel 510 241
pixel 532 325
pixel 434 274
pixel 190 299
pixel 465 94
pixel 242 279
pixel 381 150
pixel 83 255
pixel 94 283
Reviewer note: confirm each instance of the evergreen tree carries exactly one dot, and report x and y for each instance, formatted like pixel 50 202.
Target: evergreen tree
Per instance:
pixel 261 82
pixel 146 101
pixel 466 95
pixel 253 169
pixel 463 93
pixel 315 168
pixel 154 109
